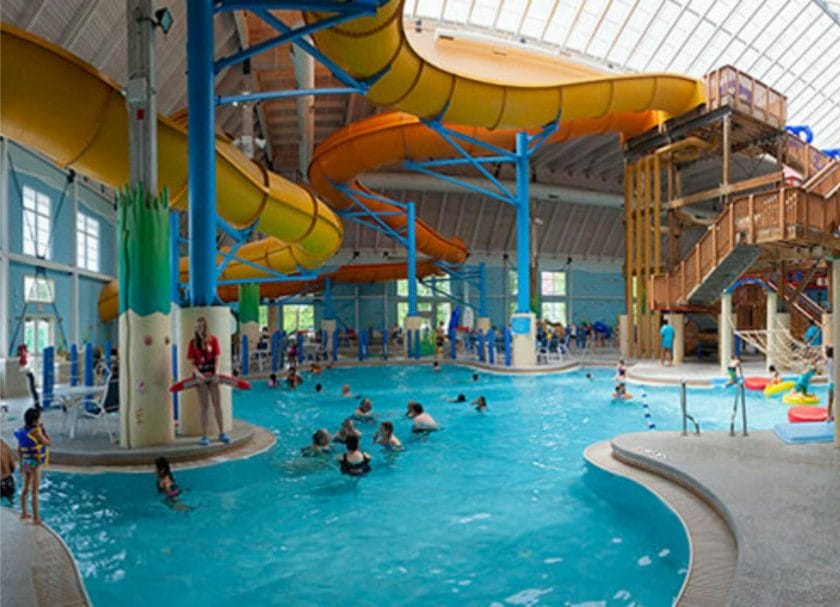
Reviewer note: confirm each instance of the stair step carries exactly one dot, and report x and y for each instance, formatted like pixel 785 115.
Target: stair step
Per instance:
pixel 724 275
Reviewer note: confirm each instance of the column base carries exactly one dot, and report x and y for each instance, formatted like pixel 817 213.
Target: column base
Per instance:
pixel 524 340
pixel 483 324
pixel 412 323
pixel 677 321
pixel 219 323
pixel 145 375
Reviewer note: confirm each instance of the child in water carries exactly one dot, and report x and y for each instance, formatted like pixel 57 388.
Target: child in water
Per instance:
pixel 272 381
pixel 165 481
pixel 385 436
pixel 775 376
pixel 480 404
pixel 734 370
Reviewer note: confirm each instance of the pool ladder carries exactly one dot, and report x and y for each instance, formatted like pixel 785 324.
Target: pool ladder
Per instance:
pixel 685 416
pixel 740 395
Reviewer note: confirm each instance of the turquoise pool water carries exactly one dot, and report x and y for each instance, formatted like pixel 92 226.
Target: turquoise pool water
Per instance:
pixel 497 509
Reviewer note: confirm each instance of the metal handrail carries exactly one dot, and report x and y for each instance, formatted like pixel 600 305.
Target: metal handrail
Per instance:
pixel 685 416
pixel 740 393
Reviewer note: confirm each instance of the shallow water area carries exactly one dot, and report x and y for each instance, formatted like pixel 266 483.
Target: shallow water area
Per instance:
pixel 498 508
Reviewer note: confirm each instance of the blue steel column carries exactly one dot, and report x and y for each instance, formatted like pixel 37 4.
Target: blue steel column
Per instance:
pixel 482 291
pixel 523 225
pixel 412 261
pixel 328 307
pixel 202 151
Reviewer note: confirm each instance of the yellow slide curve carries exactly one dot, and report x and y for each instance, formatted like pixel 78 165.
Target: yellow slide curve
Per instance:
pixel 57 104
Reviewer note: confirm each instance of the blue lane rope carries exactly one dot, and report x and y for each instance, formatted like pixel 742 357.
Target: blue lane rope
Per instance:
pixel 646 409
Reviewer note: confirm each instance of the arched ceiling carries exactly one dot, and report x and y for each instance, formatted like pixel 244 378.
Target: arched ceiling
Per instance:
pixel 593 166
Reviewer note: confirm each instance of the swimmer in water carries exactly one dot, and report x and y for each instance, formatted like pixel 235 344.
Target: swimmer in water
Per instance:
pixel 318 388
pixel 320 444
pixel 272 381
pixel 621 392
pixel 589 377
pixel 346 431
pixel 480 404
pixel 458 399
pixel 166 484
pixel 423 422
pixel 345 391
pixel 354 462
pixel 436 366
pixel 363 412
pixel 385 436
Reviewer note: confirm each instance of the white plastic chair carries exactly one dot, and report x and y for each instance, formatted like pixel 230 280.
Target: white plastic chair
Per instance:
pixel 96 412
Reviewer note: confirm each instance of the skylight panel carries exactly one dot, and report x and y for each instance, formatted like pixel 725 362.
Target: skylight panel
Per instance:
pixel 456 11
pixel 538 14
pixel 510 15
pixel 429 8
pixel 484 13
pixel 720 10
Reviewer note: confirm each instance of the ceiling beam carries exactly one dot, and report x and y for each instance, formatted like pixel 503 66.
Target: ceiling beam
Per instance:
pixel 31 14
pixel 584 228
pixel 441 209
pixel 548 230
pixel 477 225
pixel 494 229
pixel 77 24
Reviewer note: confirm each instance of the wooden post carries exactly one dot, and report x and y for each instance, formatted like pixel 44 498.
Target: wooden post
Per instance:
pixel 638 256
pixel 727 156
pixel 629 170
pixel 646 244
pixel 657 241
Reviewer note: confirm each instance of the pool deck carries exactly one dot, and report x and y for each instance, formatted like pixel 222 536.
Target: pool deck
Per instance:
pixel 695 374
pixel 36 568
pixel 779 502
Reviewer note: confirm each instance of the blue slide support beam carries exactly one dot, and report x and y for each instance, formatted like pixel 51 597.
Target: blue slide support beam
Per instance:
pixel 523 225
pixel 412 260
pixel 202 153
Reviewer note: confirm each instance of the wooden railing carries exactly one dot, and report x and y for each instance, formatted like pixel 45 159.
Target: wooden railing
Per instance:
pixel 804 157
pixel 784 216
pixel 826 181
pixel 730 86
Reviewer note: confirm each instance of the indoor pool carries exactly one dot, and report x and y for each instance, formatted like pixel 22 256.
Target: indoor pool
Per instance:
pixel 495 509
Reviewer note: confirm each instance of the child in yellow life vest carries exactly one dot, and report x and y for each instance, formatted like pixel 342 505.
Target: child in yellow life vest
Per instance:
pixel 33 453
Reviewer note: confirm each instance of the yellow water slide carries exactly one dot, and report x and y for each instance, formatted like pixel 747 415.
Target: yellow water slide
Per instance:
pixel 486 85
pixel 55 103
pixel 479 89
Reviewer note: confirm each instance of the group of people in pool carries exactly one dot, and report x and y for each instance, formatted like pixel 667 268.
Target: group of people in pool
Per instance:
pixel 354 461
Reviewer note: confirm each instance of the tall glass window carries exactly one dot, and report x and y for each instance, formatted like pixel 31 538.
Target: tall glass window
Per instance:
pixel 87 242
pixel 37 222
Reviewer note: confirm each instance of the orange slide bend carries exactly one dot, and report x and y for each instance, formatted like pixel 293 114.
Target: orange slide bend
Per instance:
pixel 467 84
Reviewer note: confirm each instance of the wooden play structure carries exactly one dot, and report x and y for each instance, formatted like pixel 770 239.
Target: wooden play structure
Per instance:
pixel 773 211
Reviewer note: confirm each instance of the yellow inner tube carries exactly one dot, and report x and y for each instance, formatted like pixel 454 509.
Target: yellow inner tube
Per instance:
pixel 801 399
pixel 776 389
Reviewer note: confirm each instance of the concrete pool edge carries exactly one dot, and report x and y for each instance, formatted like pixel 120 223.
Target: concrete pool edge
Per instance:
pixel 46 573
pixel 712 544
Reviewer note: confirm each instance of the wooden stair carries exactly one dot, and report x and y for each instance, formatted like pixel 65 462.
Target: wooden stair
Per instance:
pixel 788 217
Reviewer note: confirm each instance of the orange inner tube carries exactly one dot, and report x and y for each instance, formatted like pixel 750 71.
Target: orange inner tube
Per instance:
pixel 757 383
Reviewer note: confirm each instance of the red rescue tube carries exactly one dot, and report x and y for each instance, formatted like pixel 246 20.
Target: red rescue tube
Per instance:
pixel 756 383
pixel 225 380
pixel 807 414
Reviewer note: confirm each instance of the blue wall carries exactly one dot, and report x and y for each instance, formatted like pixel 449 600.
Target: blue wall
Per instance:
pixel 594 292
pixel 26 169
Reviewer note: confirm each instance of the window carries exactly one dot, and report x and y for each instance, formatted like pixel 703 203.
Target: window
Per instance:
pixel 38 290
pixel 36 223
pixel 554 283
pixel 298 317
pixel 87 242
pixel 263 316
pixel 554 311
pixel 424 311
pixel 422 290
pixel 444 312
pixel 38 333
pixel 513 282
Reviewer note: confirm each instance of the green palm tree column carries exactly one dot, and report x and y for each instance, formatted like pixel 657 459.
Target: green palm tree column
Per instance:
pixel 144 322
pixel 249 313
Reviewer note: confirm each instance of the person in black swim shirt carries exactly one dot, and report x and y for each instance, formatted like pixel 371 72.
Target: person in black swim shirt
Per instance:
pixel 354 462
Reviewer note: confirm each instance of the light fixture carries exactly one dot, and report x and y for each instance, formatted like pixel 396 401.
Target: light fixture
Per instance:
pixel 163 19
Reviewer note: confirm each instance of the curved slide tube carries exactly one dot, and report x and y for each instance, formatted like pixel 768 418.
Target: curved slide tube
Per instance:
pixel 456 86
pixel 468 94
pixel 55 103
